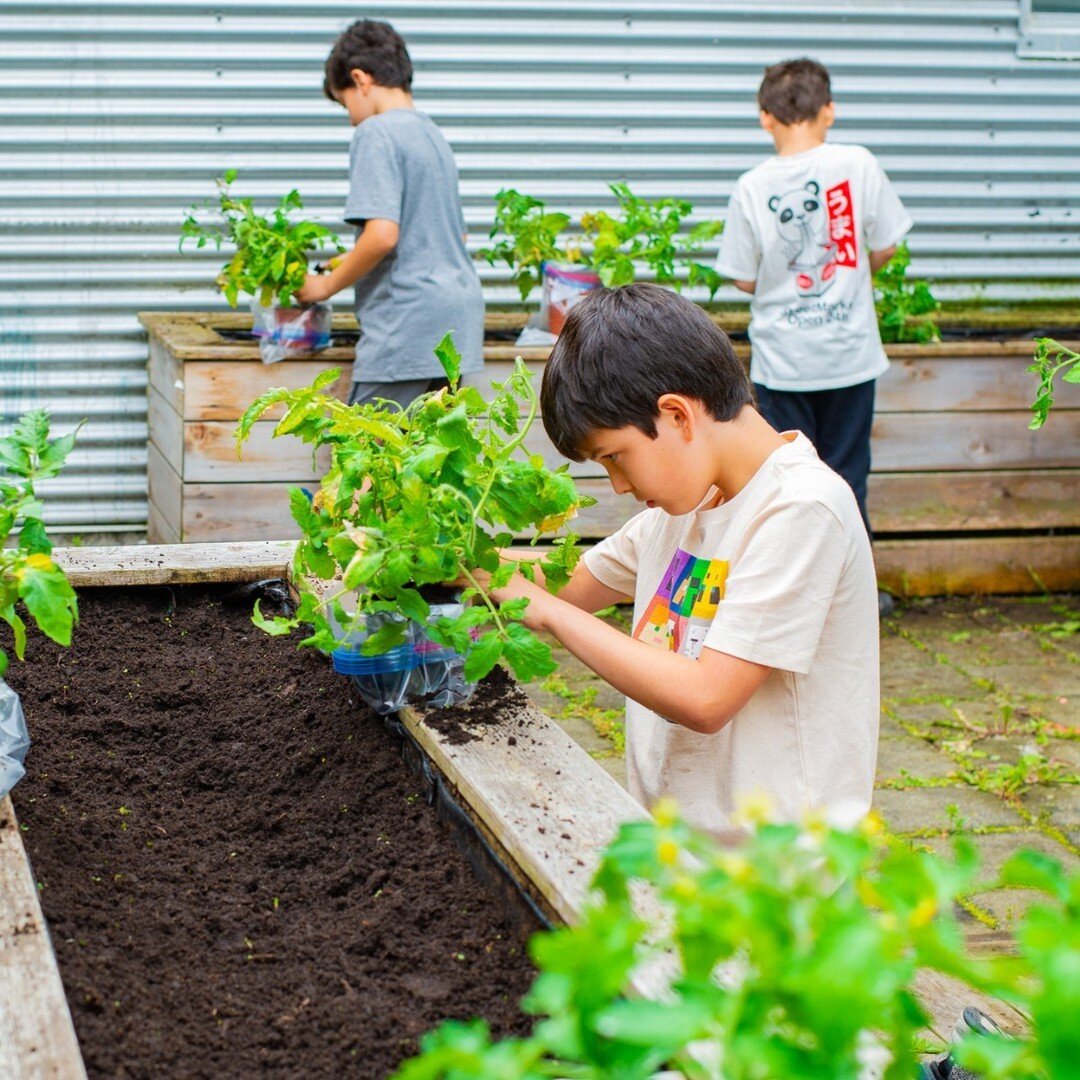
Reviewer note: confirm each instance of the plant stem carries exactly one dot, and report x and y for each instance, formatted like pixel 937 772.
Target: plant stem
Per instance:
pixel 482 593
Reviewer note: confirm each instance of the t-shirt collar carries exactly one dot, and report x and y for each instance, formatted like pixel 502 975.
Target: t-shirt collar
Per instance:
pixel 796 443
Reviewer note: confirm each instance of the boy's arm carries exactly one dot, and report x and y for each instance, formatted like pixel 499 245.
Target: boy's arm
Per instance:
pixel 879 258
pixel 745 286
pixel 702 695
pixel 378 238
pixel 584 590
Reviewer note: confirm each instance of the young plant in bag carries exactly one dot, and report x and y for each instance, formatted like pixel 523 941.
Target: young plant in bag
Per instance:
pixel 28 576
pixel 526 235
pixel 271 259
pixel 423 497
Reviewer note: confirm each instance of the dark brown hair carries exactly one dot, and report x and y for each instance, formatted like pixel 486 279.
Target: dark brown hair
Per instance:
pixel 795 90
pixel 621 350
pixel 374 47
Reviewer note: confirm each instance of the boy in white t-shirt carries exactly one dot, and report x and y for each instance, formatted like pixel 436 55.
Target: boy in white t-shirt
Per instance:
pixel 753 662
pixel 805 231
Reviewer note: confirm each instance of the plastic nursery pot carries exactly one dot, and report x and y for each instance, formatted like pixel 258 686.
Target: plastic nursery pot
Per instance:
pixel 291 331
pixel 419 671
pixel 564 286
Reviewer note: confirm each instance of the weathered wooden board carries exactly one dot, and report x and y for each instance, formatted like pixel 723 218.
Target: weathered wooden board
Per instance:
pixel 37 1037
pixel 210 454
pixel 927 442
pixel 957 501
pixel 166 496
pixel 912 384
pixel 223 391
pixel 899 503
pixel 972 565
pixel 166 429
pixel 549 804
pixel 175 564
pixel 194 336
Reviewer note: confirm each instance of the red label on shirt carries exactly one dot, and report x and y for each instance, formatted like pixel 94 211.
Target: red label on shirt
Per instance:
pixel 842 224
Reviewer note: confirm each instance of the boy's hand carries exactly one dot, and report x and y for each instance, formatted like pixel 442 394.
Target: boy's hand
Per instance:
pixel 314 291
pixel 539 598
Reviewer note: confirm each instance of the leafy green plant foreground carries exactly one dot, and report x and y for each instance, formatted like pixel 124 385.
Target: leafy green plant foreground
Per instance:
pixel 905 309
pixel 795 955
pixel 640 232
pixel 1051 358
pixel 271 257
pixel 29 579
pixel 426 496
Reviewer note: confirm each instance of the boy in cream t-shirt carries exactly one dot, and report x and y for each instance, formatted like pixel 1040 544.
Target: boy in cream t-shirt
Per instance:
pixel 753 662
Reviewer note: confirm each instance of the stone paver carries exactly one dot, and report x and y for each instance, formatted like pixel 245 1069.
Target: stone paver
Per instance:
pixel 969 687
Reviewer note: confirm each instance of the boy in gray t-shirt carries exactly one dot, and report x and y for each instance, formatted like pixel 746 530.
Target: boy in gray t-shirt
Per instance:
pixel 413 275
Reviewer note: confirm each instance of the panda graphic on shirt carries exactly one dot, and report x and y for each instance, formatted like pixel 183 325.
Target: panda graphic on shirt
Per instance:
pixel 811 229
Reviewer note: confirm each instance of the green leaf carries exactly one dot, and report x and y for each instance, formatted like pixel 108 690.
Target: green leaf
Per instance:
pixel 526 653
pixel 275 626
pixel 18 630
pixel 447 354
pixel 47 595
pixel 483 655
pixel 33 537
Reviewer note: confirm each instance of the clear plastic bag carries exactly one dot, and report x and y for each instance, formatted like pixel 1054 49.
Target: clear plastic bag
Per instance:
pixel 14 739
pixel 285 333
pixel 419 671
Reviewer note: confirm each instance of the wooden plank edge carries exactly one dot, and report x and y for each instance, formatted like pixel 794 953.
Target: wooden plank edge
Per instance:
pixel 175 564
pixel 544 836
pixel 988 566
pixel 37 1034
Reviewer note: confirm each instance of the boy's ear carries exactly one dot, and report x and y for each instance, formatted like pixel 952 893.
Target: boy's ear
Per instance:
pixel 767 120
pixel 361 79
pixel 827 116
pixel 678 410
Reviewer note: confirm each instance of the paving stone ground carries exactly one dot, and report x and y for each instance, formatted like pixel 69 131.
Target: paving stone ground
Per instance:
pixel 980 731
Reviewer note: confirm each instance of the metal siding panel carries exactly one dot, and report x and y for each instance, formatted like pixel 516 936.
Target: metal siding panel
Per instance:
pixel 116 115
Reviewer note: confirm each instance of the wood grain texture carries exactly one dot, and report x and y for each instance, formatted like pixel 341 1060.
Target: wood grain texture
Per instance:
pixel 550 805
pixel 912 502
pixel 210 454
pixel 963 566
pixel 174 564
pixel 929 442
pixel 223 390
pixel 37 1037
pixel 165 491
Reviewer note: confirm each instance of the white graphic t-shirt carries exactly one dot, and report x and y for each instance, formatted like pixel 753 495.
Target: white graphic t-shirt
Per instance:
pixel 780 575
pixel 802 227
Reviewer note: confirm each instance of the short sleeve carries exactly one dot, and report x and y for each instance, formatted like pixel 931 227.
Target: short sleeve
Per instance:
pixel 778 595
pixel 614 562
pixel 740 252
pixel 376 183
pixel 887 222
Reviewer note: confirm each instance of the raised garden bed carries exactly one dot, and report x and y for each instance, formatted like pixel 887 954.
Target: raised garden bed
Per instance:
pixel 958 478
pixel 538 806
pixel 239 872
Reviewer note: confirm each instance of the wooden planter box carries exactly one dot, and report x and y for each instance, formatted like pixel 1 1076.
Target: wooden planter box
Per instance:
pixel 542 803
pixel 544 806
pixel 963 497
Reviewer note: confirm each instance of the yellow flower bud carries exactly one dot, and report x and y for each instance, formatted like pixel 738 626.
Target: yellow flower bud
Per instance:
pixel 665 813
pixel 667 851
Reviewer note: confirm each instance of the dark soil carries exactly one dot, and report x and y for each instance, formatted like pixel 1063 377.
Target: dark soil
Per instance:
pixel 491 704
pixel 240 874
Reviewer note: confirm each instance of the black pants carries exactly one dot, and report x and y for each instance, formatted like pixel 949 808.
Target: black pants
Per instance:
pixel 837 422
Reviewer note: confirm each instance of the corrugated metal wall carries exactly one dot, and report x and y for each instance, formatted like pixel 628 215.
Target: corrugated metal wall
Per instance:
pixel 115 116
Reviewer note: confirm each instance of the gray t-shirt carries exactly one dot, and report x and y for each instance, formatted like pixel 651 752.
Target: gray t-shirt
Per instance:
pixel 401 168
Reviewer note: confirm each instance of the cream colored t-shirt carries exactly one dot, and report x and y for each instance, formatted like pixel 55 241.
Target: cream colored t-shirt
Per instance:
pixel 780 575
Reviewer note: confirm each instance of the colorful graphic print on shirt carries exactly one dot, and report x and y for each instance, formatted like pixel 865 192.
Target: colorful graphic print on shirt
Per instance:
pixel 679 615
pixel 818 235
